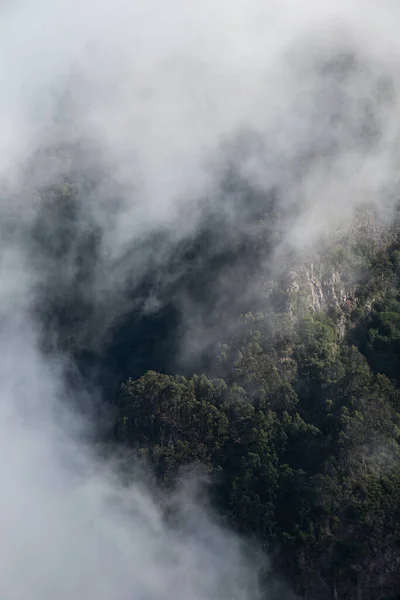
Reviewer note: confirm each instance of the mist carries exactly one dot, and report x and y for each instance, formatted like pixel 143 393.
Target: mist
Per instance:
pixel 151 107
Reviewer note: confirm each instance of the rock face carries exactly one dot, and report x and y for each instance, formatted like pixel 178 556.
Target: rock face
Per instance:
pixel 313 287
pixel 330 279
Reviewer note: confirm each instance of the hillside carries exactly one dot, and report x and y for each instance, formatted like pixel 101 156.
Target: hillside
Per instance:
pixel 297 422
pixel 274 374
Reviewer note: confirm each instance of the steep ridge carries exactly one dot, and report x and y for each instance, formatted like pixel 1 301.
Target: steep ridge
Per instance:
pixel 298 420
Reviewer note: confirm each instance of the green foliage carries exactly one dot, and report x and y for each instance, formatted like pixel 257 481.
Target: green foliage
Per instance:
pixel 299 428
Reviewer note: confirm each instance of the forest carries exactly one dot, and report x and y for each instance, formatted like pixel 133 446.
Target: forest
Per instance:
pixel 298 424
pixel 293 417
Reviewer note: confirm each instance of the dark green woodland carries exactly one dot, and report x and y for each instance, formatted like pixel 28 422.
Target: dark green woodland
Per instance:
pixel 291 410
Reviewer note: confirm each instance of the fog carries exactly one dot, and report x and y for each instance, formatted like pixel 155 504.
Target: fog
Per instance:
pixel 153 102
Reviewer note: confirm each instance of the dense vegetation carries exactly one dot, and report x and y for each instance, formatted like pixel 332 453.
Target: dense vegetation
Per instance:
pixel 299 427
pixel 296 417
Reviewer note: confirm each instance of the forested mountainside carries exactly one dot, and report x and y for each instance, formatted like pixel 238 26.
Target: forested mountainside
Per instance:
pixel 298 424
pixel 292 410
